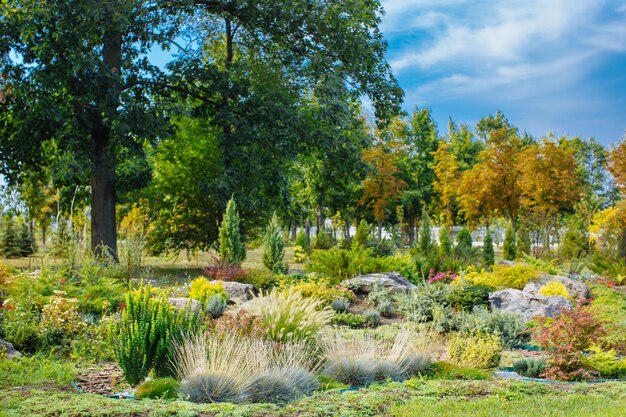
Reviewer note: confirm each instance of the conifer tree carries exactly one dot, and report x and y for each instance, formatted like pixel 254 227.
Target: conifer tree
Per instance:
pixel 523 240
pixel 445 245
pixel 27 240
pixel 425 243
pixel 274 247
pixel 10 244
pixel 361 235
pixel 509 248
pixel 231 247
pixel 488 253
pixel 463 243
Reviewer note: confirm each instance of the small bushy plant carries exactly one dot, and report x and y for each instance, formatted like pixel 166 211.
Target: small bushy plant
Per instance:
pixel 354 321
pixel 607 363
pixel 378 294
pixel 445 244
pixel 463 246
pixel 385 308
pixel 467 296
pixel 340 305
pixel 158 388
pixel 241 323
pixel 478 350
pixel 299 254
pixel 489 256
pixel 511 330
pixel 222 270
pixel 261 279
pixel 372 318
pixel 530 367
pixel 281 385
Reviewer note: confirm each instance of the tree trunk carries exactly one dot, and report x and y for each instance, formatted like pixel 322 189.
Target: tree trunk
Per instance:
pixel 103 195
pixel 410 229
pixel 307 230
pixel 380 231
pixel 103 230
pixel 294 230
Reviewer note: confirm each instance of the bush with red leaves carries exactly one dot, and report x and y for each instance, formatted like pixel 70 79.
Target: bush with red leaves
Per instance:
pixel 566 338
pixel 223 271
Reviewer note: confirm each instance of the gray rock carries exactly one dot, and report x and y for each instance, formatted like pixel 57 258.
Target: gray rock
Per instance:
pixel 237 291
pixel 507 263
pixel 183 302
pixel 7 349
pixel 576 289
pixel 527 305
pixel 392 281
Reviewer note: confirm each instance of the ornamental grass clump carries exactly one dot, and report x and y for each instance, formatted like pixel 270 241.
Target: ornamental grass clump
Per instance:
pixel 228 367
pixel 288 316
pixel 530 367
pixel 359 360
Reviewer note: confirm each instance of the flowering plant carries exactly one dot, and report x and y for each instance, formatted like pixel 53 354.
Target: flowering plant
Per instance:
pixel 445 277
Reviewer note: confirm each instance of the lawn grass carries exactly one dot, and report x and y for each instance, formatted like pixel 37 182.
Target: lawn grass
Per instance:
pixel 417 397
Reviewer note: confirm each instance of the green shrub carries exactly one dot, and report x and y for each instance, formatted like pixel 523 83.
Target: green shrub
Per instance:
pixel 274 247
pixel 488 253
pixel 463 243
pixel 202 290
pixel 143 337
pixel 299 254
pixel 445 244
pixel 476 350
pixel 610 306
pixel 159 388
pixel 361 236
pixel 511 330
pixel 378 294
pixel 467 296
pixel 523 241
pixel 530 367
pixel 354 321
pixel 418 305
pixel 262 279
pixel 289 316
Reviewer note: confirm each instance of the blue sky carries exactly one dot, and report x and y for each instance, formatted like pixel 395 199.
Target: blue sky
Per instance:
pixel 550 65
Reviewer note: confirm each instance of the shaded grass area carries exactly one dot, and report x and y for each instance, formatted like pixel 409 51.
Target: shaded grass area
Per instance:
pixel 417 397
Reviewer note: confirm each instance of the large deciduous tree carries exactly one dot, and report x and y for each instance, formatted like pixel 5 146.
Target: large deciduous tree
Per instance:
pixel 77 78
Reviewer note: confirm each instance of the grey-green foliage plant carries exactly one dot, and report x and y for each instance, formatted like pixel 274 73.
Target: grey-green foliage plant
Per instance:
pixel 340 305
pixel 231 247
pixel 445 244
pixel 372 318
pixel 509 248
pixel 488 253
pixel 463 243
pixel 509 327
pixel 419 304
pixel 142 338
pixel 378 294
pixel 215 306
pixel 385 308
pixel 530 367
pixel 274 247
pixel 280 385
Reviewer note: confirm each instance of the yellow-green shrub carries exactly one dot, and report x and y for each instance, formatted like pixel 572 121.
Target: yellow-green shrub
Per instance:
pixel 202 289
pixel 516 276
pixel 299 254
pixel 554 288
pixel 319 289
pixel 607 363
pixel 477 350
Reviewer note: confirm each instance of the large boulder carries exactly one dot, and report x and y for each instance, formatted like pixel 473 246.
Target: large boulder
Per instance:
pixel 576 289
pixel 527 305
pixel 392 281
pixel 182 302
pixel 7 349
pixel 237 291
